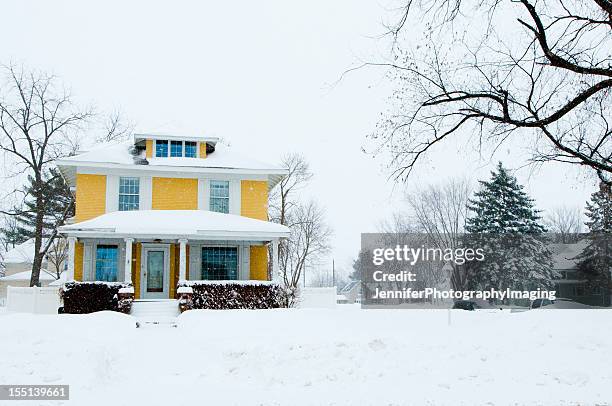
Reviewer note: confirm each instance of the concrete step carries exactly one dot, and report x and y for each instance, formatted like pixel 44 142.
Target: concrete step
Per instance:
pixel 155 312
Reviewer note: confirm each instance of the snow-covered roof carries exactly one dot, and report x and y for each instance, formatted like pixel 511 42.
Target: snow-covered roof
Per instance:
pixel 26 275
pixel 160 136
pixel 564 255
pixel 117 155
pixel 193 224
pixel 21 254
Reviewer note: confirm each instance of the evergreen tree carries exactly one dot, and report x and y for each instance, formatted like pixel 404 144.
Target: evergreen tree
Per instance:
pixel 595 261
pixel 505 223
pixel 10 234
pixel 58 204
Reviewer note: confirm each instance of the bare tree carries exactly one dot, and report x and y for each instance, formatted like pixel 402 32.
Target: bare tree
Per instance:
pixel 308 241
pixel 566 222
pixel 309 238
pixel 115 127
pixel 440 212
pixel 57 255
pixel 37 125
pixel 538 73
pixel 283 196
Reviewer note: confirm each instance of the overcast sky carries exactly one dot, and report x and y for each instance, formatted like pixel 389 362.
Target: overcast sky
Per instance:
pixel 262 75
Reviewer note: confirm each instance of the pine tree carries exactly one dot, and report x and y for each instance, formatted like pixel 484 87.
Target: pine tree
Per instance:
pixel 505 223
pixel 595 261
pixel 10 234
pixel 57 202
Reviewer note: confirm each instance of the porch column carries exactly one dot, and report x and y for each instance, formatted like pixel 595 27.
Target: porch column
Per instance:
pixel 275 267
pixel 183 259
pixel 128 260
pixel 71 249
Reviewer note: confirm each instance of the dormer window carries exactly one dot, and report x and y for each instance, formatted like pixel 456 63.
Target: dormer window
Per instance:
pixel 191 150
pixel 176 148
pixel 161 148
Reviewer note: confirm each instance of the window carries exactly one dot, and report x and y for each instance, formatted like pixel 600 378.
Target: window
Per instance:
pixel 129 190
pixel 219 263
pixel 176 148
pixel 190 149
pixel 219 196
pixel 161 148
pixel 106 263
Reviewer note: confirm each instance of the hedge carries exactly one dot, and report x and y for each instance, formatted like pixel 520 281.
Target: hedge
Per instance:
pixel 221 295
pixel 89 297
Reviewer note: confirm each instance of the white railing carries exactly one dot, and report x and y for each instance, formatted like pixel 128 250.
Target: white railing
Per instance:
pixel 43 300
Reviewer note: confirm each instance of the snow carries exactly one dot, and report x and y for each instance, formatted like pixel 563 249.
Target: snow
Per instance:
pixel 21 254
pixel 118 153
pixel 228 282
pixel 345 356
pixel 26 276
pixel 159 223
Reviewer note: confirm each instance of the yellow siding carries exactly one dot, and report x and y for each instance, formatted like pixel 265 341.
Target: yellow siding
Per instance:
pixel 175 194
pixel 202 150
pixel 136 247
pixel 78 261
pixel 90 196
pixel 254 199
pixel 149 144
pixel 259 263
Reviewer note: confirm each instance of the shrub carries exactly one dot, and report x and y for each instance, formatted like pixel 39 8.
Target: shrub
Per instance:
pixel 219 295
pixel 89 297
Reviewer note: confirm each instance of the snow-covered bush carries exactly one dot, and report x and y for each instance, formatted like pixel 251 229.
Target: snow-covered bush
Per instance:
pixel 89 297
pixel 220 295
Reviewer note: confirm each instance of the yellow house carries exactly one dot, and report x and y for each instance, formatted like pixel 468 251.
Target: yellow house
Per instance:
pixel 160 209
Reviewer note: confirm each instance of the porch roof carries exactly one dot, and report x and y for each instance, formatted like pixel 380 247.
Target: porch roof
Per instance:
pixel 170 224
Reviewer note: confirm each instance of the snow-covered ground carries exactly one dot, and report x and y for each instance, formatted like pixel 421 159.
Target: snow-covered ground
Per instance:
pixel 345 356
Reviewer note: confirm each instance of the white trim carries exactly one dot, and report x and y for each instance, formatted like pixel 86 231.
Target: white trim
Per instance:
pixel 143 266
pixel 112 193
pixel 235 197
pixel 203 235
pixel 88 260
pixel 146 193
pixel 71 257
pixel 182 259
pixel 86 167
pixel 127 272
pixel 203 187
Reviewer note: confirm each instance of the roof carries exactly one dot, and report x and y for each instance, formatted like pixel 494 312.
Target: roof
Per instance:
pixel 349 286
pixel 117 155
pixel 192 224
pixel 21 254
pixel 564 255
pixel 159 136
pixel 26 275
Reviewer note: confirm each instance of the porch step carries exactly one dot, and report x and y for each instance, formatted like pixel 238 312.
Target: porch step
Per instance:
pixel 155 313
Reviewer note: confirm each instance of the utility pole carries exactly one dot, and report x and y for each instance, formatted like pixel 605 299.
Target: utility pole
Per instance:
pixel 333 272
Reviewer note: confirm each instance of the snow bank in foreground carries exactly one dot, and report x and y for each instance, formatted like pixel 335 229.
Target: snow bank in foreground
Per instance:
pixel 345 356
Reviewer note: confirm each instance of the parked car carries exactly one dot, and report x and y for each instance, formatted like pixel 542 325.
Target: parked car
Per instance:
pixel 537 303
pixel 466 305
pixel 559 303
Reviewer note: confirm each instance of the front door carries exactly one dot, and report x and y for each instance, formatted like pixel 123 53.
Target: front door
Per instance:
pixel 155 271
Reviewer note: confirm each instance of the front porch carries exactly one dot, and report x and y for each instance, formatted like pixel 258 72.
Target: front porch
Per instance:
pixel 155 250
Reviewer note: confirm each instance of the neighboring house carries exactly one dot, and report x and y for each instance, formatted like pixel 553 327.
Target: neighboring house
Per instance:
pixel 163 208
pixel 18 268
pixel 351 293
pixel 570 285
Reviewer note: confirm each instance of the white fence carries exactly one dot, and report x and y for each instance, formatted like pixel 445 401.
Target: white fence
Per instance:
pixel 43 300
pixel 318 298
